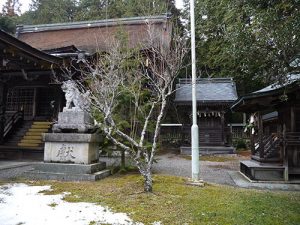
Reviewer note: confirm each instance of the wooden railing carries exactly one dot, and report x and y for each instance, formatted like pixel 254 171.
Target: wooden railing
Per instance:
pixel 292 138
pixel 12 120
pixel 271 146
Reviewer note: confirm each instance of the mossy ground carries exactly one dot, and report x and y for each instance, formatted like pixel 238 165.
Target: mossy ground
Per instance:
pixel 175 202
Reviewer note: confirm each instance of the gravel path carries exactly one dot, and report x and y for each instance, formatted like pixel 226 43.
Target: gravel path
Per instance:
pixel 214 172
pixel 178 165
pixel 12 173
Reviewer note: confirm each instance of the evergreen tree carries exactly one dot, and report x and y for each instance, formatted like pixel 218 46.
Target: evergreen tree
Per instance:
pixel 53 11
pixel 9 15
pixel 50 11
pixel 251 41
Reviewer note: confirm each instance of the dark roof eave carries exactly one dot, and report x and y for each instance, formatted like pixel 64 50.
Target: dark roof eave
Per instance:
pixel 242 100
pixel 29 49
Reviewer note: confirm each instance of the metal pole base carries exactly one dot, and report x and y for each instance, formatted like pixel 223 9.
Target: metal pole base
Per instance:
pixel 195 152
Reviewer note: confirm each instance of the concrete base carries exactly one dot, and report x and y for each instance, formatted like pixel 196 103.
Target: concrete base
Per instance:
pixel 262 171
pixel 68 172
pixel 71 148
pixel 242 181
pixel 206 150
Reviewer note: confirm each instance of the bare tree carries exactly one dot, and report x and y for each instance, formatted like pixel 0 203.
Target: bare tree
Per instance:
pixel 129 89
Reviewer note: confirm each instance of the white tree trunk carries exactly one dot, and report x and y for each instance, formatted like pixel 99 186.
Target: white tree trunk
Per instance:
pixel 148 183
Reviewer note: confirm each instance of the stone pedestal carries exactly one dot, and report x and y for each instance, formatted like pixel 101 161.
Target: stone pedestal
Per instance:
pixel 70 157
pixel 71 148
pixel 71 152
pixel 76 121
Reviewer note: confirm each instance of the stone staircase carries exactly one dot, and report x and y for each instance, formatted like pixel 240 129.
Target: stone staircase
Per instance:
pixel 33 135
pixel 25 142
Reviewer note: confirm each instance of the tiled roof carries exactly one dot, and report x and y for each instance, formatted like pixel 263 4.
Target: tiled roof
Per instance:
pixel 268 96
pixel 290 79
pixel 214 90
pixel 92 36
pixel 18 55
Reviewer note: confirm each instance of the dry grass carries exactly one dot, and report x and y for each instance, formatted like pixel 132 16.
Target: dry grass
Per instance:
pixel 174 202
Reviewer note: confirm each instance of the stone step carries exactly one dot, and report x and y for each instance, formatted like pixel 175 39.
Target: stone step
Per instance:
pixel 70 168
pixel 262 171
pixel 37 130
pixel 34 133
pixel 28 145
pixel 40 126
pixel 32 141
pixel 42 123
pixel 39 175
pixel 32 137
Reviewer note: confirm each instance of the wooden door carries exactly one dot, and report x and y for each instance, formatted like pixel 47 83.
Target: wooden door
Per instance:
pixel 210 131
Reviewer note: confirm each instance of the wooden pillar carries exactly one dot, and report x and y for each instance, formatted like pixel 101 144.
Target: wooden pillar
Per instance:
pixel 244 118
pixel 260 135
pixel 252 144
pixel 34 105
pixel 252 134
pixel 285 156
pixel 223 127
pixel 293 125
pixel 3 94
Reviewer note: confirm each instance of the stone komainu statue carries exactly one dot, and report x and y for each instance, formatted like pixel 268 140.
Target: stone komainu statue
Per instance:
pixel 74 99
pixel 75 117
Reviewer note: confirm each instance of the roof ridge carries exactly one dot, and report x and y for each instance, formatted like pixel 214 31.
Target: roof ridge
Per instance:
pixel 91 23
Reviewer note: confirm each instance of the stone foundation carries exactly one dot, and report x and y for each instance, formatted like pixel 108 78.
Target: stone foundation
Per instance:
pixel 71 148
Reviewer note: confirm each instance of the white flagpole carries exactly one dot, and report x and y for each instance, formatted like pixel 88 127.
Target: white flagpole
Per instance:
pixel 194 129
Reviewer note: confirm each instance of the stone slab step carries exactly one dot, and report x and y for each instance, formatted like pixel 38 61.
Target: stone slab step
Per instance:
pixel 42 123
pixel 37 130
pixel 38 175
pixel 262 171
pixel 40 126
pixel 32 137
pixel 28 145
pixel 70 168
pixel 32 141
pixel 34 133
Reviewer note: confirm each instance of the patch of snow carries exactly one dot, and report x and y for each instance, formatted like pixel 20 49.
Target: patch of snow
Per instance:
pixel 23 204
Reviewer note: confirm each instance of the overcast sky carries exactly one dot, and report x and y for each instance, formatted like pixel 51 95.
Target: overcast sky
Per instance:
pixel 25 4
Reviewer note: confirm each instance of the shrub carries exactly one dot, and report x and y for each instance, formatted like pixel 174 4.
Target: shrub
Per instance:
pixel 240 144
